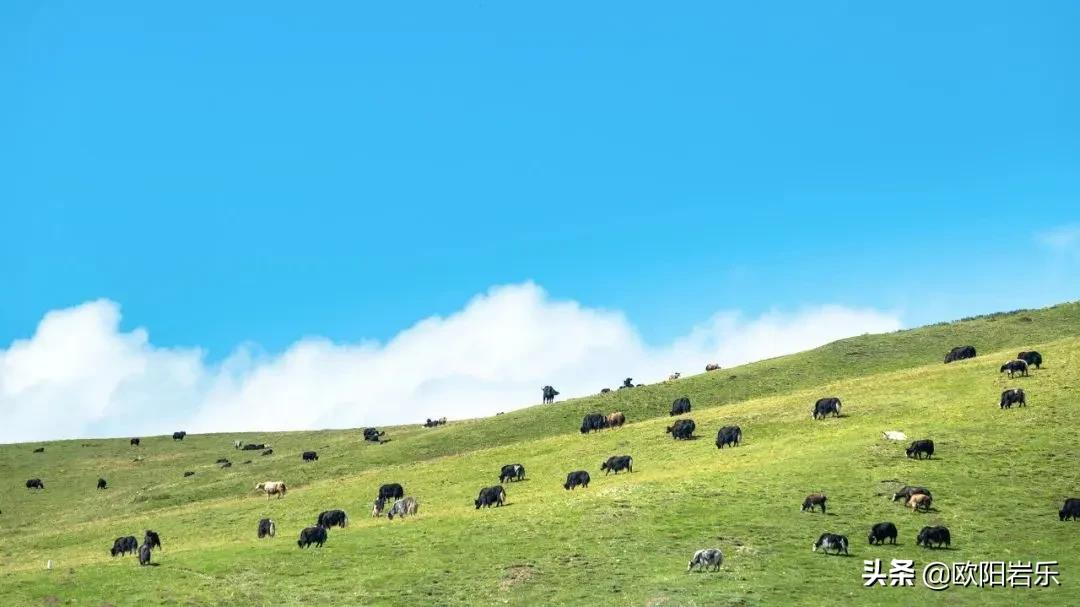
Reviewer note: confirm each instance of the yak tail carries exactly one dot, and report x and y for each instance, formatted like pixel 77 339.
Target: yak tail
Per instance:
pixel 346 521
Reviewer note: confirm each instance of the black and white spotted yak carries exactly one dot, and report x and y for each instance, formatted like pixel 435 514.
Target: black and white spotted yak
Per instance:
pixel 831 541
pixel 1015 366
pixel 829 405
pixel 1013 396
pixel 511 472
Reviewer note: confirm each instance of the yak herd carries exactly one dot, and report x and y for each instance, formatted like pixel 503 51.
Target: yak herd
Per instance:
pixel 919 499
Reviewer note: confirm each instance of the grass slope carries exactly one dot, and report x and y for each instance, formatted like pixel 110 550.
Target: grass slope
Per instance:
pixel 999 478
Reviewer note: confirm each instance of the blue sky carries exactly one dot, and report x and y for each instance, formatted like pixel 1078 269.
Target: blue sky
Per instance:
pixel 268 171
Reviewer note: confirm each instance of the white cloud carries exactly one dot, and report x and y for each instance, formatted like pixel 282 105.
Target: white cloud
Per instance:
pixel 80 375
pixel 1062 239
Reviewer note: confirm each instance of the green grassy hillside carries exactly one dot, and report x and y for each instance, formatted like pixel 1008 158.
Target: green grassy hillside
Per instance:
pixel 999 478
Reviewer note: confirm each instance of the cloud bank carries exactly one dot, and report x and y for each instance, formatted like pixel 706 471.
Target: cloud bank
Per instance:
pixel 79 375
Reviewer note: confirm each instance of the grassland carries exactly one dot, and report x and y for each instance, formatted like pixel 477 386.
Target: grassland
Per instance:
pixel 998 479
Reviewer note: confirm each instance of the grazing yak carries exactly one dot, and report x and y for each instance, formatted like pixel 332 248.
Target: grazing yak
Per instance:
pixel 894 435
pixel 627 383
pixel 221 460
pixel 511 472
pixel 373 435
pixel 268 452
pixel 1032 358
pixel 1071 509
pixel 391 491
pixel 881 532
pixel 144 555
pixel 615 419
pixel 907 491
pixel 814 499
pixel 237 444
pixel 189 473
pixel 712 367
pixel 35 483
pixel 101 484
pixel 1013 396
pixel 309 456
pixel 267 528
pixel 312 535
pixel 578 478
pixel 152 539
pixel 124 545
pixel 333 518
pixel 1013 367
pixel 682 430
pixel 830 405
pixel 135 441
pixel 679 406
pixel 405 506
pixel 593 422
pixel 617 463
pixel 277 488
pixel 960 353
pixel 831 541
pixel 42 449
pixel 179 435
pixel 705 558
pixel 728 435
pixel 431 423
pixel 254 447
pixel 920 501
pixel 605 390
pixel 549 394
pixel 933 535
pixel 920 448
pixel 490 495
pixel 674 376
